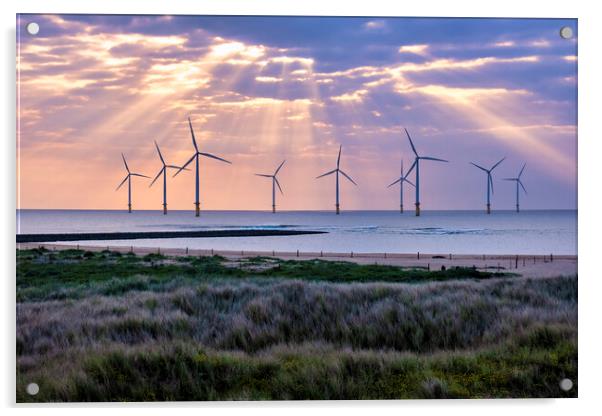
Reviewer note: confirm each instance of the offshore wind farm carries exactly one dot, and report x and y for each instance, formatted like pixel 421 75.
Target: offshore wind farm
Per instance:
pixel 293 207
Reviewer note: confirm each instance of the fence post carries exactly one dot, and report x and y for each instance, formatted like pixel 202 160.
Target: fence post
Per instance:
pixel 551 258
pixel 516 262
pixel 385 254
pixel 297 253
pixel 321 253
pixel 418 255
pixel 450 256
pixel 428 267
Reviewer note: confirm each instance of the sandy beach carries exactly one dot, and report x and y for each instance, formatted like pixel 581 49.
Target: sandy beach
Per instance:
pixel 523 265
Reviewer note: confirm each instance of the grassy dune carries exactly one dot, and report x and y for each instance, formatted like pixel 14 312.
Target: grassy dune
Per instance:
pixel 104 326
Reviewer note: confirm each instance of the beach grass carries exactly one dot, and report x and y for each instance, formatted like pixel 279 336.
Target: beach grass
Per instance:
pixel 120 327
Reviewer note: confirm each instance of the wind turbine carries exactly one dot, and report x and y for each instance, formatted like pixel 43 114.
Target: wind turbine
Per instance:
pixel 518 182
pixel 489 182
pixel 128 178
pixel 337 171
pixel 416 165
pixel 195 157
pixel 401 180
pixel 274 184
pixel 164 172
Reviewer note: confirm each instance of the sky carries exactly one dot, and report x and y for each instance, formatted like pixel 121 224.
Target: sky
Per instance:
pixel 260 90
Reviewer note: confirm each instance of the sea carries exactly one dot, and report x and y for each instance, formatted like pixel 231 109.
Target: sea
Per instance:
pixel 455 232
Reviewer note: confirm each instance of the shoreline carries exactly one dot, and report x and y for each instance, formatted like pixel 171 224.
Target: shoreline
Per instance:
pixel 524 265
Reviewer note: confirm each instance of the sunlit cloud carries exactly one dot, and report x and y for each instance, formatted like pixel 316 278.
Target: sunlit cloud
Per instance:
pixel 375 25
pixel 504 44
pixel 415 49
pixel 268 79
pixel 355 96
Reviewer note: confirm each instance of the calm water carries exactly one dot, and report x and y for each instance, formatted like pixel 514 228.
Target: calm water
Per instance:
pixel 457 232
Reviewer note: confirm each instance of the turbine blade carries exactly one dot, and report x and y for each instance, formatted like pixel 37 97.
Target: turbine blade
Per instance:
pixel 214 157
pixel 278 183
pixel 495 166
pixel 412 167
pixel 184 165
pixel 125 163
pixel 480 167
pixel 175 167
pixel 398 180
pixel 521 171
pixel 265 176
pixel 348 177
pixel 509 179
pixel 157 177
pixel 159 151
pixel 278 170
pixel 411 143
pixel 192 133
pixel 327 173
pixel 490 181
pixel 405 180
pixel 339 157
pixel 139 174
pixel 122 182
pixel 433 158
pixel 522 186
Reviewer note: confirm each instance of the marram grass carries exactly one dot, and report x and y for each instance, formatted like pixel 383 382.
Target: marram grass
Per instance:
pixel 109 327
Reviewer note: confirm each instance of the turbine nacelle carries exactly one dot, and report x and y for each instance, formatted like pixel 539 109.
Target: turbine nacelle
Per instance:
pixel 517 179
pixel 130 174
pixel 488 171
pixel 165 166
pixel 273 177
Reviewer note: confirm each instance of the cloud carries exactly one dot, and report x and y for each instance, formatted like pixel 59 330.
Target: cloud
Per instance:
pixel 373 25
pixel 268 79
pixel 415 49
pixel 353 97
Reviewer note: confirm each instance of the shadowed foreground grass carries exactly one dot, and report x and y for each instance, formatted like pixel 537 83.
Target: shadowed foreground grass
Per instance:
pixel 108 327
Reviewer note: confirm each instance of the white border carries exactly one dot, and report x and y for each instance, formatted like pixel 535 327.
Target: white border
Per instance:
pixel 590 137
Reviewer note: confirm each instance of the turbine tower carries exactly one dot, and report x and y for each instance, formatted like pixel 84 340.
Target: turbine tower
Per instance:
pixel 337 171
pixel 195 157
pixel 128 178
pixel 274 184
pixel 164 172
pixel 416 165
pixel 401 180
pixel 489 182
pixel 518 182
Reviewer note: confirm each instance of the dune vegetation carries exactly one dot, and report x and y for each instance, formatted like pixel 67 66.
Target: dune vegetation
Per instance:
pixel 114 327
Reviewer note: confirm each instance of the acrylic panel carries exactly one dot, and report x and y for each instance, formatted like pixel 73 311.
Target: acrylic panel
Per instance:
pixel 292 208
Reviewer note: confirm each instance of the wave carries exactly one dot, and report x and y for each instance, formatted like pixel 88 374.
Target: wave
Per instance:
pixel 443 231
pixel 220 226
